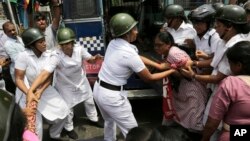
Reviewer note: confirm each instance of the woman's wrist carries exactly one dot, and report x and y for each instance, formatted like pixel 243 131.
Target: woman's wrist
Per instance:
pixel 193 76
pixel 195 63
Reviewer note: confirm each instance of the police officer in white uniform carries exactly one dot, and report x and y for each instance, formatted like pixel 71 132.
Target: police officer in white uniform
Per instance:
pixel 207 38
pixel 121 60
pixel 177 24
pixel 28 64
pixel 70 78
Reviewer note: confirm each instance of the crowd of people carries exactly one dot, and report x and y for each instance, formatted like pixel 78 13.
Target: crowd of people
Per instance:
pixel 204 70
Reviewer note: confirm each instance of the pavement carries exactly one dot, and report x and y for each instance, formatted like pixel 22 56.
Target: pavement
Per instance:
pixel 148 113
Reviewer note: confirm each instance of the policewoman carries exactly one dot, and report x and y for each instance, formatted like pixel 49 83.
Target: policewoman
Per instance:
pixel 120 61
pixel 29 64
pixel 70 78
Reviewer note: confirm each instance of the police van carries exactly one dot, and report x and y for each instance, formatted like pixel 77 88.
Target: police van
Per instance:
pixel 90 21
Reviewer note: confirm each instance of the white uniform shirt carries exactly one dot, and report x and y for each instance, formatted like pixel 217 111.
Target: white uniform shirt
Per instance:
pixel 70 78
pixel 211 37
pixel 220 62
pixel 51 105
pixel 50 38
pixel 185 31
pixel 224 66
pixel 32 65
pixel 59 61
pixel 247 36
pixel 121 60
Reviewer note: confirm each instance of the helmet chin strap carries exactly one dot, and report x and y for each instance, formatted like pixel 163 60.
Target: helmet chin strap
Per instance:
pixel 127 37
pixel 170 23
pixel 37 52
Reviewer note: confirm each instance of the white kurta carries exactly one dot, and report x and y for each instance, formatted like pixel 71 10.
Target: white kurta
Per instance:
pixel 70 78
pixel 51 105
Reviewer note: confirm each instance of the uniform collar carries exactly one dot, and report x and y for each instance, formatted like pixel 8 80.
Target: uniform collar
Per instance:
pixel 31 53
pixel 126 43
pixel 235 39
pixel 209 33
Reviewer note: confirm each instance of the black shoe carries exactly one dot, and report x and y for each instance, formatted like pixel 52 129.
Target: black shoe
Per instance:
pixel 55 139
pixel 71 134
pixel 98 123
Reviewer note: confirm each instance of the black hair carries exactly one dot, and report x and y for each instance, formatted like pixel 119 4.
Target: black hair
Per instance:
pixel 6 24
pixel 138 134
pixel 166 37
pixel 240 53
pixel 165 133
pixel 39 15
pixel 17 125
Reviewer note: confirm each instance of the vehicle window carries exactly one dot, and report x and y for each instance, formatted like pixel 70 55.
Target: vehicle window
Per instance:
pixel 78 9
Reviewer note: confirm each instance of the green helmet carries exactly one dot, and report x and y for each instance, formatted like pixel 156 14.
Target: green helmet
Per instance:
pixel 30 35
pixel 121 23
pixel 173 11
pixel 65 35
pixel 232 13
pixel 7 104
pixel 217 6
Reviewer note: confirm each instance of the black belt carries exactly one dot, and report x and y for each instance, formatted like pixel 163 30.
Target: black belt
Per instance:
pixel 109 86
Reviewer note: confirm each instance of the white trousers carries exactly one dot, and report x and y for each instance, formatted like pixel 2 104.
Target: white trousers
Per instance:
pixel 90 110
pixel 54 131
pixel 116 110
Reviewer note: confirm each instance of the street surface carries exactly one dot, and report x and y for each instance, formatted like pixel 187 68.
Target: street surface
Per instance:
pixel 148 113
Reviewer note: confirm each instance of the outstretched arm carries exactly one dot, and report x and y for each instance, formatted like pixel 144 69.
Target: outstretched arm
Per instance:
pixel 203 78
pixel 161 66
pixel 147 76
pixel 41 89
pixel 95 58
pixel 56 14
pixel 40 82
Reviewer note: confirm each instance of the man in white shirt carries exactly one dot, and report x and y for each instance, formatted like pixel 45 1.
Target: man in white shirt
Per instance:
pixel 13 44
pixel 3 39
pixel 51 29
